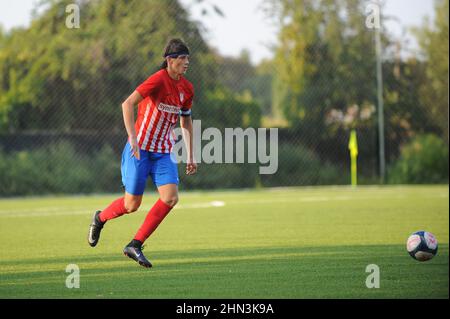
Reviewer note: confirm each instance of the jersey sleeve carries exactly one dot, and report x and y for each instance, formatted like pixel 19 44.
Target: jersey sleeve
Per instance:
pixel 150 87
pixel 187 105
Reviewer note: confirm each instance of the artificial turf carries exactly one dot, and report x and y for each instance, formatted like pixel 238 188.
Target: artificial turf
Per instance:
pixel 271 243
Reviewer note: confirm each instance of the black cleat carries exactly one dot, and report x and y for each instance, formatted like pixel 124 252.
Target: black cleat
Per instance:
pixel 134 251
pixel 95 229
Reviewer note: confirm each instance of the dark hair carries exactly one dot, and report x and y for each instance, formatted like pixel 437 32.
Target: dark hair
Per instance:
pixel 173 48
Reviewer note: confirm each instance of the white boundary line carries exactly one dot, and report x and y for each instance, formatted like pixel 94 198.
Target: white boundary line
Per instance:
pixel 66 211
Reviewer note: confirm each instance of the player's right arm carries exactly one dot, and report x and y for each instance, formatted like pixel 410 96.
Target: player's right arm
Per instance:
pixel 150 87
pixel 128 118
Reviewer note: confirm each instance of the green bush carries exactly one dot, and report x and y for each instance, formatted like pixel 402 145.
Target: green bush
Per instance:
pixel 223 108
pixel 58 169
pixel 296 166
pixel 424 160
pixel 214 176
pixel 300 166
pixel 61 169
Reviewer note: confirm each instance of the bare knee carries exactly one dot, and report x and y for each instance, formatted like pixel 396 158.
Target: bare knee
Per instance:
pixel 132 206
pixel 132 202
pixel 169 194
pixel 170 200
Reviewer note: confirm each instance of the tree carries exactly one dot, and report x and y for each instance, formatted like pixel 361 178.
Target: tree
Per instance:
pixel 234 71
pixel 325 61
pixel 260 86
pixel 54 77
pixel 434 43
pixel 239 76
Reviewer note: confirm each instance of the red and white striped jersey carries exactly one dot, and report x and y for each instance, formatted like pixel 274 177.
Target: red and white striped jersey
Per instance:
pixel 164 99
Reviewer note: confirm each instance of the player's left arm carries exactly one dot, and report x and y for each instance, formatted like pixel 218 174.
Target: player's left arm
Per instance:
pixel 187 131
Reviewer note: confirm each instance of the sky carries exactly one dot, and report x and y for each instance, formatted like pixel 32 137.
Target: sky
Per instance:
pixel 245 25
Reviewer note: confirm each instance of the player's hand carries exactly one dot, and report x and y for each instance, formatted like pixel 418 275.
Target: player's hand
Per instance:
pixel 191 168
pixel 135 151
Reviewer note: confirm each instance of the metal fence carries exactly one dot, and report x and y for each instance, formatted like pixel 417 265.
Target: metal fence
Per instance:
pixel 62 89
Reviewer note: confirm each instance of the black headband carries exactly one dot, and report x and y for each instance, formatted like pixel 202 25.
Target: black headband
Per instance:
pixel 176 54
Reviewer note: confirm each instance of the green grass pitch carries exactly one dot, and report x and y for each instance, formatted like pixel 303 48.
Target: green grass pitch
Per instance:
pixel 272 243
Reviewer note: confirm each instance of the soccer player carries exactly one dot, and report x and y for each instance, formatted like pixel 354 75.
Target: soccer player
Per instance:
pixel 161 99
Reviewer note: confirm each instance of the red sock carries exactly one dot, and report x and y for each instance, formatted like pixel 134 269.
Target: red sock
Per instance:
pixel 115 209
pixel 154 217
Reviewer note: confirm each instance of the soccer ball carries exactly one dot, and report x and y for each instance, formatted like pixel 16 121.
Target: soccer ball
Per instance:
pixel 422 245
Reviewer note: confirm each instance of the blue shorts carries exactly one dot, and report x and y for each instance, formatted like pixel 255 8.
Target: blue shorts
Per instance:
pixel 162 168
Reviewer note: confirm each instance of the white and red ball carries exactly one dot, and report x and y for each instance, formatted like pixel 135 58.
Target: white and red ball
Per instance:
pixel 422 245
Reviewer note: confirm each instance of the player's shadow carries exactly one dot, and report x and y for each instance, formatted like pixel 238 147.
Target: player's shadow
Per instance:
pixel 197 258
pixel 279 271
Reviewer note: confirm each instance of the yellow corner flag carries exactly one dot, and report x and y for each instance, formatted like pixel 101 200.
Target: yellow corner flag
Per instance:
pixel 353 147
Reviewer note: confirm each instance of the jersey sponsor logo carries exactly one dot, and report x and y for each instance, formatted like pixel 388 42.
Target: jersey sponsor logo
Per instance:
pixel 168 108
